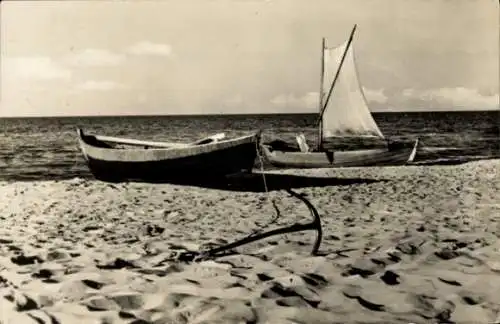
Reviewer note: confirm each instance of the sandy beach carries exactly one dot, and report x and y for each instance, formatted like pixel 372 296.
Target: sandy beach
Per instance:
pixel 401 245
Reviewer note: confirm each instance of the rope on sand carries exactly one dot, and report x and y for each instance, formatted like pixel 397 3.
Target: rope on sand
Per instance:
pixel 266 189
pixel 315 224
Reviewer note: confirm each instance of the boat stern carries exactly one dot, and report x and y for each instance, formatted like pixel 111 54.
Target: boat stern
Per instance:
pixel 413 152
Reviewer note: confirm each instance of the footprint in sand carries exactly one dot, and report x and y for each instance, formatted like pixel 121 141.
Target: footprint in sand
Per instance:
pixel 391 278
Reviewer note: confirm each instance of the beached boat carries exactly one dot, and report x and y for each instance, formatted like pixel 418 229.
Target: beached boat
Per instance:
pixel 117 159
pixel 343 113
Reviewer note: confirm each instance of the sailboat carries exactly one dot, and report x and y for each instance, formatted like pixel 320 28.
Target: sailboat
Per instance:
pixel 343 113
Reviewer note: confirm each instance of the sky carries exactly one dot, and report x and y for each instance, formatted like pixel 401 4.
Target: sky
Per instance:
pixel 65 58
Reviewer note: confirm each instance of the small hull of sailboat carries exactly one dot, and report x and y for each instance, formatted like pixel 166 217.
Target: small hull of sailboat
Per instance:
pixel 179 163
pixel 340 159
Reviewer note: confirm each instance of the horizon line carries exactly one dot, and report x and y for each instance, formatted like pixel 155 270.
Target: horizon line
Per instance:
pixel 244 114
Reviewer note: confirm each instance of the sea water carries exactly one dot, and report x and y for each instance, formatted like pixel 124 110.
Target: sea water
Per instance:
pixel 47 148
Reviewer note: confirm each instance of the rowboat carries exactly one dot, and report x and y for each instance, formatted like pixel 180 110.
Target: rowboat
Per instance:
pixel 343 114
pixel 116 159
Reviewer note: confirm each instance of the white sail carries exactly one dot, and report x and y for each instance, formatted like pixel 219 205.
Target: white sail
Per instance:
pixel 347 113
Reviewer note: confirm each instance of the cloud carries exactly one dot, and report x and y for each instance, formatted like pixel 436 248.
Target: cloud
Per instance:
pixel 95 57
pixel 36 67
pixel 375 96
pixel 308 101
pixel 458 98
pixel 93 85
pixel 148 48
pixel 452 98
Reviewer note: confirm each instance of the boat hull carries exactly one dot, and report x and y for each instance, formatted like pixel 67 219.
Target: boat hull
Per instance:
pixel 180 165
pixel 340 159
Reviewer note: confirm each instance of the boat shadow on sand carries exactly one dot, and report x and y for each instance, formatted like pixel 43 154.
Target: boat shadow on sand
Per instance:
pixel 245 182
pixel 254 182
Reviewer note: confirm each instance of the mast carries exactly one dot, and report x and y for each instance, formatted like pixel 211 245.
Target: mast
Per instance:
pixel 320 107
pixel 336 77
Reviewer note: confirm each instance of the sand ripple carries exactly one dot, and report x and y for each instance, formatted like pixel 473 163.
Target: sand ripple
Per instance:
pixel 421 247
